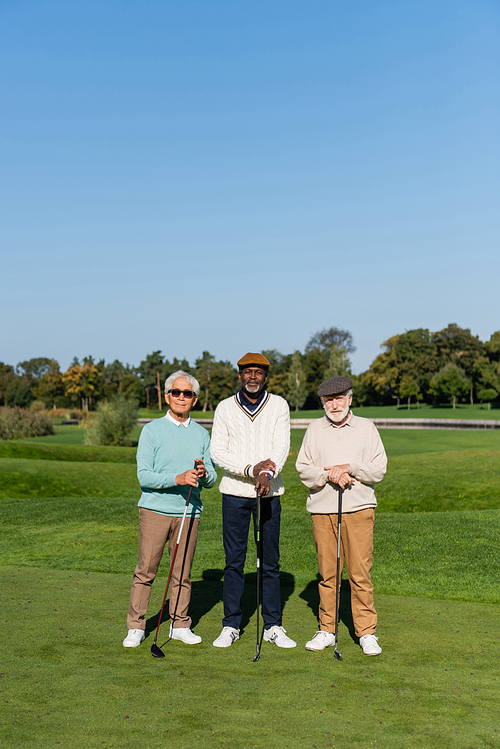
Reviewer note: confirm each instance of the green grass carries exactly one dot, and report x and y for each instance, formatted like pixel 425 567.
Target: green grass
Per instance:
pixel 68 521
pixel 67 680
pixel 424 411
pixel 428 411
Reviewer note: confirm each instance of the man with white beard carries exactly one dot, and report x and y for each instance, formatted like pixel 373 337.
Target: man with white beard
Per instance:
pixel 341 451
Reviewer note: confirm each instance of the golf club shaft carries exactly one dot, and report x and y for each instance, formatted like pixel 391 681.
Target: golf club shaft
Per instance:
pixel 337 596
pixel 174 556
pixel 257 655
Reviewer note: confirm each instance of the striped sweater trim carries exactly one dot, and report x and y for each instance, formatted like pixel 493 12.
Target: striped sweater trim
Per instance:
pixel 252 416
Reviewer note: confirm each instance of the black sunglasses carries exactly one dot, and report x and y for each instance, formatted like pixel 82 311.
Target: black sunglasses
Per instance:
pixel 186 393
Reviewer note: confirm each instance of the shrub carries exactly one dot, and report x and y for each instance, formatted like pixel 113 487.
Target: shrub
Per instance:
pixel 64 413
pixel 112 423
pixel 19 423
pixel 37 407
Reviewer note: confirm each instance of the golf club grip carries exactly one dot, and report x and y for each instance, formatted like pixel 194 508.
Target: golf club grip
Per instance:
pixel 184 515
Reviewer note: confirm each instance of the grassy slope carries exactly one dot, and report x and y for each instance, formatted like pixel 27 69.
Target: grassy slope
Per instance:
pixel 71 682
pixel 428 471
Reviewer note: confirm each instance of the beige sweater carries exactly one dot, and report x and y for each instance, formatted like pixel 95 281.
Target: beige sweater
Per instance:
pixel 239 442
pixel 356 442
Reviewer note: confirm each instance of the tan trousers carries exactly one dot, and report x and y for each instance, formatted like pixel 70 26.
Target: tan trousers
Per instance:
pixel 356 547
pixel 155 531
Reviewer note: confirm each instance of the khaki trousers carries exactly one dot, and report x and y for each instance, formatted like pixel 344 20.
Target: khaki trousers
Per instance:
pixel 155 531
pixel 356 547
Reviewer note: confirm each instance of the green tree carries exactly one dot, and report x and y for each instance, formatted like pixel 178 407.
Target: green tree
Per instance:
pixel 218 380
pixel 34 369
pixel 450 383
pixel 339 364
pixel 81 382
pixel 408 388
pixel 380 382
pixel 410 355
pixel 150 370
pixel 297 390
pixel 49 388
pixel 487 366
pixel 458 346
pixel 328 337
pixel 487 395
pixel 121 378
pixel 18 393
pixel 318 352
pixel 7 374
pixel 204 371
pixel 280 364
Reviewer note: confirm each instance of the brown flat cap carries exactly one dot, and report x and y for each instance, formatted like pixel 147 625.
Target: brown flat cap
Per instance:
pixel 258 360
pixel 334 386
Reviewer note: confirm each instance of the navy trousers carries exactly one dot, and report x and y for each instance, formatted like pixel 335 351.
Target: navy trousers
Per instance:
pixel 236 513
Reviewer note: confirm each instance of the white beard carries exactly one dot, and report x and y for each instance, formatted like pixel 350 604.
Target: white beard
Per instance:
pixel 338 416
pixel 251 388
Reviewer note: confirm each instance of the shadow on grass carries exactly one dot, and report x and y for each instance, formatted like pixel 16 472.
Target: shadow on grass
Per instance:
pixel 310 594
pixel 207 593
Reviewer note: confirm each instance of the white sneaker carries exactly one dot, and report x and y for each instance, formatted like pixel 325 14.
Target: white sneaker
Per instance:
pixel 227 637
pixel 134 638
pixel 278 636
pixel 184 634
pixel 370 645
pixel 321 640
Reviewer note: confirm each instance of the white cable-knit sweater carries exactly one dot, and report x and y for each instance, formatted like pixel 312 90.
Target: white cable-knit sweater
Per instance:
pixel 239 441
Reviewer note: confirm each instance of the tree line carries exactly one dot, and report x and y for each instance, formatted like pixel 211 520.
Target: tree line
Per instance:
pixel 450 365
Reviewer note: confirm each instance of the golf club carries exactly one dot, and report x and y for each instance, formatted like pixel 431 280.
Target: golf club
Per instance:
pixel 338 655
pixel 156 651
pixel 257 654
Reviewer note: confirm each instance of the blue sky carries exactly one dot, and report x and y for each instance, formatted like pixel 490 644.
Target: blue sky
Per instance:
pixel 236 175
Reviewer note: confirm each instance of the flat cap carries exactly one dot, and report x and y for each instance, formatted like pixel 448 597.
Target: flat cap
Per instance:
pixel 257 360
pixel 334 386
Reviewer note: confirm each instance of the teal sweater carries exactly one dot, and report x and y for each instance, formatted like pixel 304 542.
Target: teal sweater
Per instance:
pixel 165 451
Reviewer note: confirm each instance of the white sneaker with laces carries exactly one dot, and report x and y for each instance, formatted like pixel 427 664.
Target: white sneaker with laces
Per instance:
pixel 278 636
pixel 227 637
pixel 370 645
pixel 184 634
pixel 134 638
pixel 321 640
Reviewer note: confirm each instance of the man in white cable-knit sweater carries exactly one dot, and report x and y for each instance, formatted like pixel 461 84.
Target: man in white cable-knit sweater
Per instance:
pixel 251 442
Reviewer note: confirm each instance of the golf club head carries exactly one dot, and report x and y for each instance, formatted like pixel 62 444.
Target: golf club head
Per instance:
pixel 337 655
pixel 157 652
pixel 256 657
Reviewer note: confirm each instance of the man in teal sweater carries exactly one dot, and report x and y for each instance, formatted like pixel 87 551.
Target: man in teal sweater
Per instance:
pixel 173 455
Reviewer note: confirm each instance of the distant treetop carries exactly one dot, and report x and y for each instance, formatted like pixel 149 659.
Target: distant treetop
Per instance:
pixel 328 337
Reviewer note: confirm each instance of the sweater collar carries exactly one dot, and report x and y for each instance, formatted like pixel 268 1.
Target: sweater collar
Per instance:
pixel 169 417
pixel 248 404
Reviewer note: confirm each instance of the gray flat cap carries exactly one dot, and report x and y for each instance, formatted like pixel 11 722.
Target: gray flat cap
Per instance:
pixel 334 386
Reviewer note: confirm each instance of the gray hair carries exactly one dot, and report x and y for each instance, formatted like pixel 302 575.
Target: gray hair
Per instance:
pixel 324 398
pixel 195 385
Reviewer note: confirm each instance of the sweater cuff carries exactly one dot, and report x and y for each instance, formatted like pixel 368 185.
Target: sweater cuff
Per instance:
pixel 354 469
pixel 170 480
pixel 248 471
